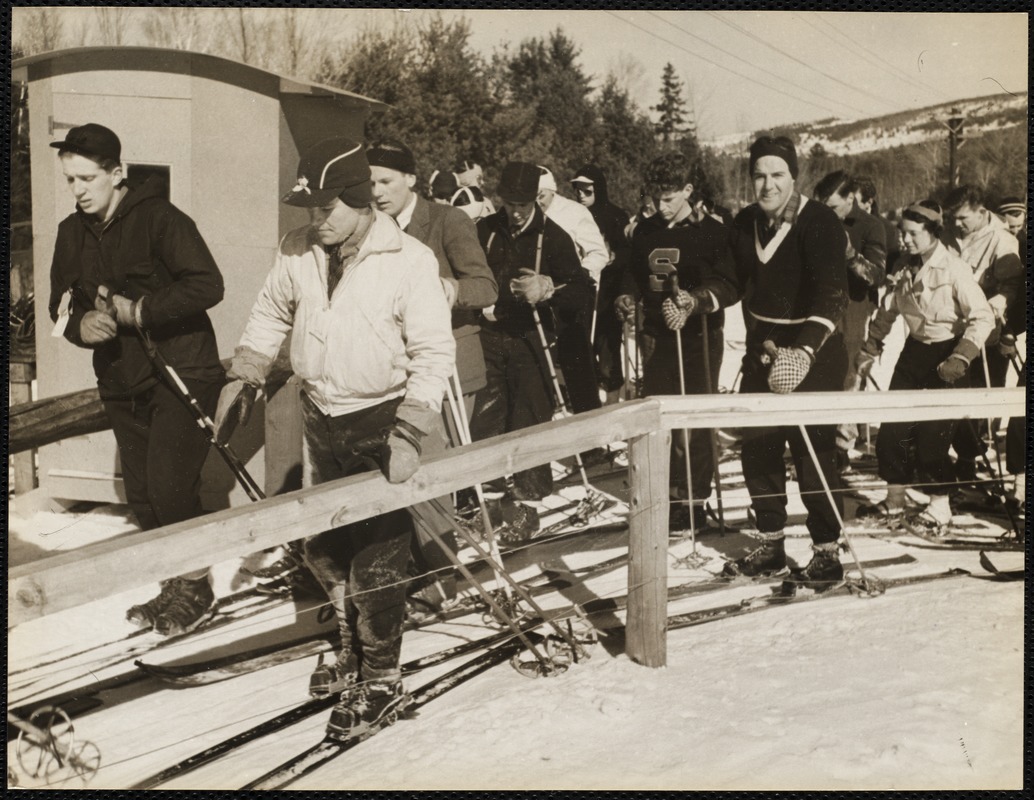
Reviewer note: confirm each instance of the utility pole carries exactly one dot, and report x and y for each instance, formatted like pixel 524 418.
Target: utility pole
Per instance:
pixel 955 122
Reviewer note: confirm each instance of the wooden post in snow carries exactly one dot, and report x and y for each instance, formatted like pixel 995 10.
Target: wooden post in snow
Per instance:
pixel 24 462
pixel 647 619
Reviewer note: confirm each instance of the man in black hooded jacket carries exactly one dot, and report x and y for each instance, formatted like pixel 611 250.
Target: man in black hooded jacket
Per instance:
pixel 157 276
pixel 590 186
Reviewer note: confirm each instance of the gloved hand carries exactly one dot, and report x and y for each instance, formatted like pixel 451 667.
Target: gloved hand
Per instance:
pixel 676 310
pixel 790 366
pixel 452 289
pixel 247 375
pixel 97 327
pixel 234 408
pixel 850 252
pixel 624 307
pixel 866 358
pixel 1007 345
pixel 400 456
pixel 997 303
pixel 952 368
pixel 125 310
pixel 532 287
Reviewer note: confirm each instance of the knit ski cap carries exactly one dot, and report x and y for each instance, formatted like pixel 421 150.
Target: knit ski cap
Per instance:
pixel 469 173
pixel 519 182
pixel 334 167
pixel 1012 205
pixel 443 185
pixel 392 154
pixel 546 179
pixel 779 146
pixel 926 212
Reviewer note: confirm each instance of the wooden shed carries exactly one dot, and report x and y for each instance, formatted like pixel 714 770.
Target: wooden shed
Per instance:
pixel 226 138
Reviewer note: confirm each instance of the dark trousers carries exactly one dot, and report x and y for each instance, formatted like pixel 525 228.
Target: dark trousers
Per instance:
pixel 1016 439
pixel 362 566
pixel 577 362
pixel 968 441
pixel 516 395
pixel 763 468
pixel 661 376
pixel 609 332
pixel 910 452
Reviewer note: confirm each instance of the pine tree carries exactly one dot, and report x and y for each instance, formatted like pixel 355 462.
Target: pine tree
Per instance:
pixel 672 124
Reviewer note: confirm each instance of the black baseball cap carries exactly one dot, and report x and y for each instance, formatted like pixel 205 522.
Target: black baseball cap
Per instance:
pixel 334 167
pixel 93 141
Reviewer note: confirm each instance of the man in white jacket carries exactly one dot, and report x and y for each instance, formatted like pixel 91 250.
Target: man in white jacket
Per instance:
pixel 372 343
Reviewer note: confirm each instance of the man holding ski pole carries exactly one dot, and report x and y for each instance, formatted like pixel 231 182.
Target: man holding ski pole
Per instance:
pixel 162 279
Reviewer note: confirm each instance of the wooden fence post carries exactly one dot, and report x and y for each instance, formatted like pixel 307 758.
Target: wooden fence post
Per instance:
pixel 24 463
pixel 647 619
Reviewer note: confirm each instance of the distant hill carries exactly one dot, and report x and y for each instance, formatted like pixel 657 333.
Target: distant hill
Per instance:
pixel 853 137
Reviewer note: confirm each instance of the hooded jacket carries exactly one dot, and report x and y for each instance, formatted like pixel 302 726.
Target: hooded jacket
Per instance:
pixel 150 251
pixel 610 218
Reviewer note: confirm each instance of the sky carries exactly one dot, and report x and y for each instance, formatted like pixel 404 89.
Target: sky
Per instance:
pixel 748 70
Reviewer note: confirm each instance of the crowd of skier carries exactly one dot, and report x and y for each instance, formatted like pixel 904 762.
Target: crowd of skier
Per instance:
pixel 422 317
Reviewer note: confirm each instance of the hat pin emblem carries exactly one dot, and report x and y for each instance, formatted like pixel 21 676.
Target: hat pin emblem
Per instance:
pixel 303 184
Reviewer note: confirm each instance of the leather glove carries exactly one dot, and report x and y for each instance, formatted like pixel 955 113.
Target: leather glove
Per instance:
pixel 790 366
pixel 400 454
pixel 1007 345
pixel 97 327
pixel 452 289
pixel 866 358
pixel 532 287
pixel 247 375
pixel 676 310
pixel 624 307
pixel 234 408
pixel 125 310
pixel 952 368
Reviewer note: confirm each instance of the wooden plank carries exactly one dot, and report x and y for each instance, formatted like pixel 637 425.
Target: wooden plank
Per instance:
pixel 830 408
pixel 646 622
pixel 43 422
pixel 100 570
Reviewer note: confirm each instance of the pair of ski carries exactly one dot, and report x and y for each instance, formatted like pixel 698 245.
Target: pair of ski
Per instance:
pixel 947 539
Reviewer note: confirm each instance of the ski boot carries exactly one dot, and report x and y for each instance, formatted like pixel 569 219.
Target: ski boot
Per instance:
pixel 337 678
pixel 766 559
pixel 521 522
pixel 366 709
pixel 179 608
pixel 823 572
pixel 429 601
pixel 678 518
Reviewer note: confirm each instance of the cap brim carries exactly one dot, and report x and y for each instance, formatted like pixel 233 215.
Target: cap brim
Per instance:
pixel 519 199
pixel 355 196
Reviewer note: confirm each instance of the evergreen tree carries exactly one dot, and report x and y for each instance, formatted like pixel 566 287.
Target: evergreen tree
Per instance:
pixel 672 124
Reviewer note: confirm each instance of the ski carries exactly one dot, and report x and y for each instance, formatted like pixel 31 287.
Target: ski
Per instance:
pixel 328 749
pixel 778 599
pixel 1000 574
pixel 315 706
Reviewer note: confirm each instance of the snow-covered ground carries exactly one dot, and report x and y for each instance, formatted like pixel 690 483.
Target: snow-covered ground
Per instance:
pixel 919 688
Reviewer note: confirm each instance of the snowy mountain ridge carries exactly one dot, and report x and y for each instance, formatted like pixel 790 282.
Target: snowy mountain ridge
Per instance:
pixel 851 137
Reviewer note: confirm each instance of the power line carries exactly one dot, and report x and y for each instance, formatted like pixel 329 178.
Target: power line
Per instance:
pixel 873 58
pixel 720 66
pixel 792 57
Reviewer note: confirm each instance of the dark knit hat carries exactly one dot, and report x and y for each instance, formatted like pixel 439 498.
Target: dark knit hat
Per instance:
pixel 93 141
pixel 1012 205
pixel 391 154
pixel 774 146
pixel 519 182
pixel 443 185
pixel 332 168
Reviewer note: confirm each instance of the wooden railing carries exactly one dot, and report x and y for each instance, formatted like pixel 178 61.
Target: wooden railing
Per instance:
pixel 100 570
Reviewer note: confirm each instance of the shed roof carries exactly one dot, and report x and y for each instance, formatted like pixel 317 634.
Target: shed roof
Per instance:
pixel 184 62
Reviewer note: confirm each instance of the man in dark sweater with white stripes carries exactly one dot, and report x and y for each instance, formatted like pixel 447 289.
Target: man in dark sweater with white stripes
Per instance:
pixel 791 252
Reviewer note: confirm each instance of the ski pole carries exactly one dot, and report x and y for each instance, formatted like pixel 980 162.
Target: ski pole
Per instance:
pixel 162 367
pixel 685 431
pixel 459 419
pixel 870 587
pixel 1000 484
pixel 708 384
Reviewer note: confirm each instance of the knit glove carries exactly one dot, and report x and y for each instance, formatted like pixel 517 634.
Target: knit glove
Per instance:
pixel 790 366
pixel 532 287
pixel 400 455
pixel 866 358
pixel 957 364
pixel 247 375
pixel 624 307
pixel 676 310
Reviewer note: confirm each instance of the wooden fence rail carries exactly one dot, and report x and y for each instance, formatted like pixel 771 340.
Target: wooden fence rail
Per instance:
pixel 100 570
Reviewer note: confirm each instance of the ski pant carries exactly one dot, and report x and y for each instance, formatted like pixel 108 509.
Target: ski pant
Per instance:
pixel 362 566
pixel 609 333
pixel 856 327
pixel 1016 439
pixel 661 376
pixel 577 361
pixel 968 441
pixel 762 451
pixel 162 450
pixel 908 452
pixel 517 394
